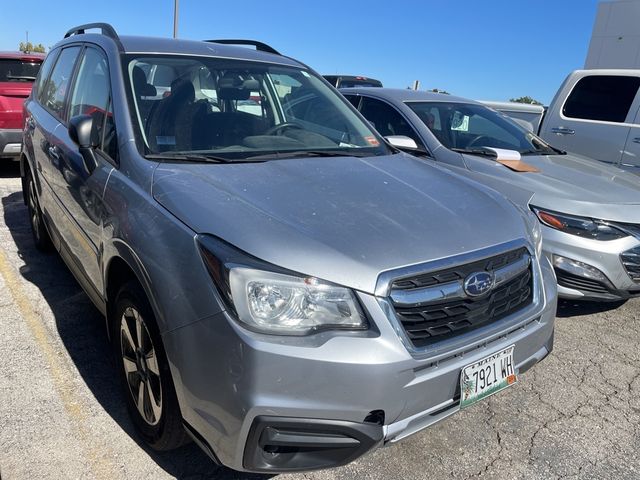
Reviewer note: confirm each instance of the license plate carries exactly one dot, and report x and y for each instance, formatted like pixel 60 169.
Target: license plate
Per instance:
pixel 486 377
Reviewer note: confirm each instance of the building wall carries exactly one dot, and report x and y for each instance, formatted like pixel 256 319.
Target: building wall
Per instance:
pixel 615 41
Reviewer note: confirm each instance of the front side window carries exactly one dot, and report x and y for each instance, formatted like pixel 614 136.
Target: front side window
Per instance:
pixel 387 120
pixel 92 96
pixel 239 109
pixel 467 127
pixel 602 97
pixel 55 90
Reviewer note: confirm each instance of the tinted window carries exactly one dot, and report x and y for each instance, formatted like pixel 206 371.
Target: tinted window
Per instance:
pixel 55 90
pixel 353 100
pixel 603 97
pixel 43 74
pixel 91 96
pixel 16 70
pixel 386 119
pixel 468 126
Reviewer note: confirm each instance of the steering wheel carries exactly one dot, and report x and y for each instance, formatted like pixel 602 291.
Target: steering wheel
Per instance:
pixel 478 139
pixel 278 129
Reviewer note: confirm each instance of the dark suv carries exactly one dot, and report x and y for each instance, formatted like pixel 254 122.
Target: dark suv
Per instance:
pixel 278 281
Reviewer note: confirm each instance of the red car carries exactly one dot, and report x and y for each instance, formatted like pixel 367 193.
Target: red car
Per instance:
pixel 18 71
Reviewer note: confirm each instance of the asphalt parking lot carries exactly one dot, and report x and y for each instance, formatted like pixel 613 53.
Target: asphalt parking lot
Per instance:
pixel 577 414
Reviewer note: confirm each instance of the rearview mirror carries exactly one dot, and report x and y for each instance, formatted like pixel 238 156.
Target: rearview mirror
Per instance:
pixel 402 141
pixel 81 133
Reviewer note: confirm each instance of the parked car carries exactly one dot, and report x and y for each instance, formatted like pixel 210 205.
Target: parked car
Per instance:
pixel 595 113
pixel 285 287
pixel 17 72
pixel 526 115
pixel 590 212
pixel 346 81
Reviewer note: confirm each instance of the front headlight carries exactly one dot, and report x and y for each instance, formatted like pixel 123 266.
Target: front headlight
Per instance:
pixel 579 226
pixel 271 300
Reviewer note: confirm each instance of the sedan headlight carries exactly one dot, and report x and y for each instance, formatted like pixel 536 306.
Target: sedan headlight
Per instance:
pixel 271 300
pixel 579 226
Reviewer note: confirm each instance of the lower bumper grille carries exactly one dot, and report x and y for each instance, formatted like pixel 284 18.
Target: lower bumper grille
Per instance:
pixel 631 262
pixel 575 282
pixel 435 321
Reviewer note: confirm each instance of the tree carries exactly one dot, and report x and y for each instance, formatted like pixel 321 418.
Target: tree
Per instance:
pixel 28 47
pixel 437 90
pixel 526 99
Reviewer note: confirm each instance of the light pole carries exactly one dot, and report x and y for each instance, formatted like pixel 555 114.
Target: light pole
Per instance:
pixel 175 19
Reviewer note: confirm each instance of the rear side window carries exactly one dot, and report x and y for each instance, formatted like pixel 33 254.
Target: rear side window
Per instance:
pixel 602 97
pixel 43 74
pixel 55 90
pixel 17 70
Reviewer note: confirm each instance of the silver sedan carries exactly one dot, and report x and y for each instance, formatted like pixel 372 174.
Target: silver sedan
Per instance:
pixel 590 211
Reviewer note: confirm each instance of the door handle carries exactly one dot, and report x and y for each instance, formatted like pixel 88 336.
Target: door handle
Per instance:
pixel 563 131
pixel 636 140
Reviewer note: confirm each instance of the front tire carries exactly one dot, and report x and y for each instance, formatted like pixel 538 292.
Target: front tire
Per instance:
pixel 36 220
pixel 144 371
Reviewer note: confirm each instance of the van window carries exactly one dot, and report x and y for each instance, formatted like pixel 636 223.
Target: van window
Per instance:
pixel 602 97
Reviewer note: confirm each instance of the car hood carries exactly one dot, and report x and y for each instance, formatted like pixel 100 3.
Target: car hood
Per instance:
pixel 342 219
pixel 568 183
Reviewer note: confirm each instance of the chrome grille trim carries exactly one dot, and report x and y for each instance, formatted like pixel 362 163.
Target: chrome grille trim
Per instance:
pixel 448 291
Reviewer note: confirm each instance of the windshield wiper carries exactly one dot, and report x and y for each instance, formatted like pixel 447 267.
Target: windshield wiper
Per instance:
pixel 21 77
pixel 305 153
pixel 185 157
pixel 475 151
pixel 421 152
pixel 544 151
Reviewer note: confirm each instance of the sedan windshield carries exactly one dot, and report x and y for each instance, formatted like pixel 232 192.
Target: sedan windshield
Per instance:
pixel 468 127
pixel 234 110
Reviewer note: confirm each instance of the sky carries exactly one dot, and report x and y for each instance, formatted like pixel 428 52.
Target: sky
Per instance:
pixel 485 50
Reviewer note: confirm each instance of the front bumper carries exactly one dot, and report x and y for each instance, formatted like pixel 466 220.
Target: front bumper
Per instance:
pixel 230 382
pixel 10 143
pixel 605 257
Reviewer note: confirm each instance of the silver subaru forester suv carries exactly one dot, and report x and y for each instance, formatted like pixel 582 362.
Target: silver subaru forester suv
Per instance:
pixel 279 283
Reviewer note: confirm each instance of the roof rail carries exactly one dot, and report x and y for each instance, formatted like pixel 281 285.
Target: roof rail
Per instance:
pixel 105 29
pixel 262 47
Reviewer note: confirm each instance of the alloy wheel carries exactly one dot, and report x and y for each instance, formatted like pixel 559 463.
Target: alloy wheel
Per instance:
pixel 140 364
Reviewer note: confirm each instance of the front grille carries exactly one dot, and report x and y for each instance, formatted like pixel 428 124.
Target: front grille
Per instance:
pixel 575 282
pixel 631 261
pixel 444 319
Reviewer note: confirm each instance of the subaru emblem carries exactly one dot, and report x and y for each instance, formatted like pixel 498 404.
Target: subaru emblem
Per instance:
pixel 478 283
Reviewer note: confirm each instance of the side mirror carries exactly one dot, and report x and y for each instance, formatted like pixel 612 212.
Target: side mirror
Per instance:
pixel 402 141
pixel 82 133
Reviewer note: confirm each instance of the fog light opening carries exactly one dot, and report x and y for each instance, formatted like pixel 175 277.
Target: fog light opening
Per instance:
pixel 376 417
pixel 579 268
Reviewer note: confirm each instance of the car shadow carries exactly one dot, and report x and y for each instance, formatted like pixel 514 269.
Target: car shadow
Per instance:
pixel 9 168
pixel 576 308
pixel 82 330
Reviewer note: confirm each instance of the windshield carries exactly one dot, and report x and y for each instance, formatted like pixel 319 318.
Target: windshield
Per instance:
pixel 467 126
pixel 15 70
pixel 237 110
